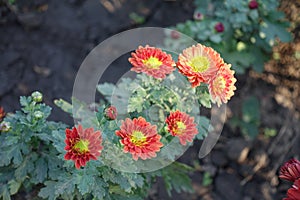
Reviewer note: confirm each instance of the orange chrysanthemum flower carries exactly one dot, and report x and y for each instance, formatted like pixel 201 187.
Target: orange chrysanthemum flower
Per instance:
pixel 152 61
pixel 139 138
pixel 199 64
pixel 182 126
pixel 221 87
pixel 82 145
pixel 2 113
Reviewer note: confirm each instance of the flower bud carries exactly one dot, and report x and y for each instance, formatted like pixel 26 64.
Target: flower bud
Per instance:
pixel 37 96
pixel 111 113
pixel 253 4
pixel 175 35
pixel 5 126
pixel 219 27
pixel 198 16
pixel 38 115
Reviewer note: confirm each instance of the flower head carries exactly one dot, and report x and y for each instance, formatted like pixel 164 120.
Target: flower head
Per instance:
pixel 198 16
pixel 82 145
pixel 219 27
pixel 139 138
pixel 182 126
pixel 294 192
pixel 111 113
pixel 37 96
pixel 152 61
pixel 221 87
pixel 199 63
pixel 290 170
pixel 253 4
pixel 2 113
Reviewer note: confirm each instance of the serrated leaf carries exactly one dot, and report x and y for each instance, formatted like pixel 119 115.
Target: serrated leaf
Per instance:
pixel 202 126
pixel 4 192
pixel 48 192
pixel 84 183
pixel 64 105
pixel 25 168
pixel 273 30
pixel 14 186
pixel 66 185
pixel 41 169
pixel 106 89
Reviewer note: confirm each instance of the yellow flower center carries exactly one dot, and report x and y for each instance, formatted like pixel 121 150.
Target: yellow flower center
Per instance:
pixel 200 64
pixel 152 63
pixel 219 84
pixel 180 127
pixel 138 138
pixel 82 146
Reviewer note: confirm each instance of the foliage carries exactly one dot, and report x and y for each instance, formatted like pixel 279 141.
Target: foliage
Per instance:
pixel 248 35
pixel 207 179
pixel 250 120
pixel 32 157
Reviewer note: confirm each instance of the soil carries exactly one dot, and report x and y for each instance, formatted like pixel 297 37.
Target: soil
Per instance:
pixel 44 42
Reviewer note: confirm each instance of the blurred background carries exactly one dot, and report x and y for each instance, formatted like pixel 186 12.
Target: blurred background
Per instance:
pixel 43 43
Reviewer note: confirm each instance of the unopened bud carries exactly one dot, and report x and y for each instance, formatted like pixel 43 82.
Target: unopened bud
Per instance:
pixel 111 113
pixel 5 126
pixel 38 115
pixel 37 96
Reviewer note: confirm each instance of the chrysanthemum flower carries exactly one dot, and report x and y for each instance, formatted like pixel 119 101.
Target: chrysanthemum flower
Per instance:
pixel 182 126
pixel 290 170
pixel 139 138
pixel 221 86
pixel 111 113
pixel 152 61
pixel 82 145
pixel 199 63
pixel 2 113
pixel 294 192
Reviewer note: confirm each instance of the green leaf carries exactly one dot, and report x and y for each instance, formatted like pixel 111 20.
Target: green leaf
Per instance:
pixel 85 183
pixel 41 169
pixel 251 110
pixel 64 105
pixel 216 38
pixel 48 192
pixel 273 30
pixel 25 168
pixel 106 89
pixel 4 192
pixel 207 180
pixel 202 126
pixel 203 96
pixel 249 129
pixel 14 186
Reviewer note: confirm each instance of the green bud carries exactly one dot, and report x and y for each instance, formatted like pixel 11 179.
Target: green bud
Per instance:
pixel 37 96
pixel 5 126
pixel 38 115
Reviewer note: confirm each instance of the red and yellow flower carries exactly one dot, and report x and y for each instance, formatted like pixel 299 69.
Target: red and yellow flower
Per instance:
pixel 199 64
pixel 139 138
pixel 182 126
pixel 82 145
pixel 221 86
pixel 294 192
pixel 111 113
pixel 290 170
pixel 152 61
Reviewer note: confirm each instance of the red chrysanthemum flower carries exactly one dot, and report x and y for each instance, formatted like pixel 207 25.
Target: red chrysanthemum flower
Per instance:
pixel 152 61
pixel 139 138
pixel 2 113
pixel 111 113
pixel 294 192
pixel 290 170
pixel 182 126
pixel 82 145
pixel 221 87
pixel 199 63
